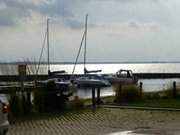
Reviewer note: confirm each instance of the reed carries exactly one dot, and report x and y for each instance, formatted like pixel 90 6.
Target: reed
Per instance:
pixel 127 93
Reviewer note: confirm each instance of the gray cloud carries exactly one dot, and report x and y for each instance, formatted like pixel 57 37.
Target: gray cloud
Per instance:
pixel 15 10
pixel 74 24
pixel 126 1
pixel 57 8
pixel 65 9
pixel 133 24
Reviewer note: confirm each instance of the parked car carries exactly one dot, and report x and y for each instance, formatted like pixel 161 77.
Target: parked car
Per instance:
pixel 4 109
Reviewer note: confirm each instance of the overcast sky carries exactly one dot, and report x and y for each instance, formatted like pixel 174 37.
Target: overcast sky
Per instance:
pixel 118 30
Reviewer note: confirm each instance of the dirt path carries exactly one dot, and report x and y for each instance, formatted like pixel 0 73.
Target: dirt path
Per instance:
pixel 100 122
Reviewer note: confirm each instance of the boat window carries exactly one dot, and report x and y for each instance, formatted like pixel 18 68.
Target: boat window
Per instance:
pixel 126 74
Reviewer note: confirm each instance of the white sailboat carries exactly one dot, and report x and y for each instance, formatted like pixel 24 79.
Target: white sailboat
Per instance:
pixel 87 79
pixel 59 83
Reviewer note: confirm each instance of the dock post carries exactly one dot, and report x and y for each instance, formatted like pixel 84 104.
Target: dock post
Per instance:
pixel 140 88
pixel 174 89
pixel 22 74
pixel 98 96
pixel 93 98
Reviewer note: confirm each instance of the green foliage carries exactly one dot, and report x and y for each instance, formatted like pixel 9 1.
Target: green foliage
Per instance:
pixel 14 104
pixel 48 98
pixel 38 101
pixel 19 104
pixel 167 103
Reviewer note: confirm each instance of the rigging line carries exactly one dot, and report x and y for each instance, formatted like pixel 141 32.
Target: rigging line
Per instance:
pixel 78 52
pixel 42 49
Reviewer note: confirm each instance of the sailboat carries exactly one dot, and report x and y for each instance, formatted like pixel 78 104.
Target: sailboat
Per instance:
pixel 87 79
pixel 60 84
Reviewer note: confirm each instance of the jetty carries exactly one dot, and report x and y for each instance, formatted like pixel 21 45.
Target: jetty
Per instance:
pixel 17 78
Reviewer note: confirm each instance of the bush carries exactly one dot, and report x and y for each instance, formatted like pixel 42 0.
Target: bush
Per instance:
pixel 49 98
pixel 14 104
pixel 19 104
pixel 75 104
pixel 127 93
pixel 169 91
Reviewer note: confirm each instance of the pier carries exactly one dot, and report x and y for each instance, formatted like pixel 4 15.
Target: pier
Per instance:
pixel 16 78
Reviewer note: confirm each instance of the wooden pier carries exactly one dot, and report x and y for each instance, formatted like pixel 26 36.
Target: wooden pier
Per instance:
pixel 17 78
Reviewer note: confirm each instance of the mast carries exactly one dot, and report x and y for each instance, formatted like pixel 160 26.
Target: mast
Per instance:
pixel 48 45
pixel 85 44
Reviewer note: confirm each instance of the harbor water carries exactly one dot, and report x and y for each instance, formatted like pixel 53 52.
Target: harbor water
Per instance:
pixel 148 84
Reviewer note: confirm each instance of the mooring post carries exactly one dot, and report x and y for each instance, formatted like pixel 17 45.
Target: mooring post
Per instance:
pixel 98 96
pixel 22 74
pixel 93 98
pixel 140 88
pixel 28 96
pixel 174 89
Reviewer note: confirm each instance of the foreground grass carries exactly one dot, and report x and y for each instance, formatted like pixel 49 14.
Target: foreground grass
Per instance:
pixel 169 102
pixel 166 103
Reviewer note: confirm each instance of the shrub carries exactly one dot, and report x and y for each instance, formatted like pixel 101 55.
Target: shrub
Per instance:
pixel 75 104
pixel 19 104
pixel 49 98
pixel 14 104
pixel 169 91
pixel 127 93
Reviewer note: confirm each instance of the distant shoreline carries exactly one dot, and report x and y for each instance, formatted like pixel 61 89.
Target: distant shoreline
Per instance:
pixel 121 62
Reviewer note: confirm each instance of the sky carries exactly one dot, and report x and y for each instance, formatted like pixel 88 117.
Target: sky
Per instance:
pixel 118 30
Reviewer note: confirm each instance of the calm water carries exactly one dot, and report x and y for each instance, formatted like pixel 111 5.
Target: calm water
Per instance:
pixel 112 68
pixel 106 68
pixel 148 84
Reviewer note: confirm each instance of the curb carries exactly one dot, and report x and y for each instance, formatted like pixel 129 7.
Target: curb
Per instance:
pixel 139 108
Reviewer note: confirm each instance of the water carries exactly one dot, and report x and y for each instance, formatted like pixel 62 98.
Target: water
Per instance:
pixel 106 68
pixel 112 68
pixel 148 84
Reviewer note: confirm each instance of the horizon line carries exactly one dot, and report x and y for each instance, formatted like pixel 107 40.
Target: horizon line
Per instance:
pixel 91 62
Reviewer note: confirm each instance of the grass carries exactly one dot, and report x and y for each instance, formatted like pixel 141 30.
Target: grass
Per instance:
pixel 164 103
pixel 168 102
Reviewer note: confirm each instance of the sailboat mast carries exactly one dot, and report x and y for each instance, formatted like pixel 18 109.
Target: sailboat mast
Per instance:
pixel 85 44
pixel 48 45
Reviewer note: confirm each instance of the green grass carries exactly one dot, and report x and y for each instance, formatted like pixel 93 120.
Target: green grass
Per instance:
pixel 170 103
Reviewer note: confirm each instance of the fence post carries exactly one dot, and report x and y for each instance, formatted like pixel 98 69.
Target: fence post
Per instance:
pixel 22 74
pixel 174 89
pixel 140 88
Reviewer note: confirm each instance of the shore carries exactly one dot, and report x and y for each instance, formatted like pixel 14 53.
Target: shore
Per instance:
pixel 102 121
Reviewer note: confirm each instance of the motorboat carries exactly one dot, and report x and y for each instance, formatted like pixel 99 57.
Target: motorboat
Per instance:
pixel 122 76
